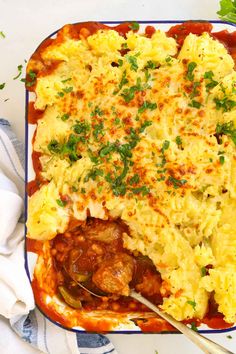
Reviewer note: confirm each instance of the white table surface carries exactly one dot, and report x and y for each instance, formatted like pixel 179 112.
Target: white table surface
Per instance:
pixel 26 24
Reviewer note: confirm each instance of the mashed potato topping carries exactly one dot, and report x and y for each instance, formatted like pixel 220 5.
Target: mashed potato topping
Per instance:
pixel 135 129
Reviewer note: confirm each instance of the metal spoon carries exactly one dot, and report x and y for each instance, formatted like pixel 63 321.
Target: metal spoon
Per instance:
pixel 205 344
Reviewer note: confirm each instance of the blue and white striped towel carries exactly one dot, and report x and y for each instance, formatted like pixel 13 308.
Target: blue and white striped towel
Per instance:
pixel 16 300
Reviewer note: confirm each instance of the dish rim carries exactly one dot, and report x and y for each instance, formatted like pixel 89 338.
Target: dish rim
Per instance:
pixel 171 22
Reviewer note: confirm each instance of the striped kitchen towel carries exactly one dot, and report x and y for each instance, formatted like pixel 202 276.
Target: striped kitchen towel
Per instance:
pixel 17 305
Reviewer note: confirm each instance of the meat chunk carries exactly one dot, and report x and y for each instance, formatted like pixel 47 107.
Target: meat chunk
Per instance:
pixel 114 275
pixel 105 231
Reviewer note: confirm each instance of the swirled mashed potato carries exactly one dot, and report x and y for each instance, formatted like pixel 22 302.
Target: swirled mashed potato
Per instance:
pixel 137 130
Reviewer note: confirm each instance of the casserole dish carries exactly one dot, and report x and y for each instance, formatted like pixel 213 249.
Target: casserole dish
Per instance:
pixel 112 316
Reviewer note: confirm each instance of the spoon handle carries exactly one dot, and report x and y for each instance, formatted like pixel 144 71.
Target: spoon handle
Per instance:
pixel 205 344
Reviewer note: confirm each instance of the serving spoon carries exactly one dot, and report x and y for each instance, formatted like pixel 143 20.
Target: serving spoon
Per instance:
pixel 205 344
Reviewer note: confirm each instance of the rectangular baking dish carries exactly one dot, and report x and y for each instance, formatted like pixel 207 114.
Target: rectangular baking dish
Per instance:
pixel 30 258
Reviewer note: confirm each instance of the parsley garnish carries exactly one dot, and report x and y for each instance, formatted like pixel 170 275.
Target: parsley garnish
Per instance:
pixel 2 34
pixel 98 129
pixel 195 91
pixel 146 124
pixel 177 183
pixel 135 179
pixel 83 191
pixel 229 337
pixel 134 26
pixel 128 94
pixel 195 104
pixel 150 65
pixel 123 81
pixel 144 190
pixel 225 104
pixel 165 146
pixel 66 80
pixel 190 68
pixel 67 89
pixel 203 271
pixel 133 61
pixel 117 120
pixel 222 159
pixel 93 174
pixel 193 326
pixel 81 127
pixel 97 112
pixel 2 86
pixel 66 149
pixel 227 129
pixel 147 105
pixel 19 68
pixel 168 60
pixel 65 117
pixel 192 303
pixel 212 83
pixel 61 203
pixel 32 75
pixel 178 140
pixel 120 62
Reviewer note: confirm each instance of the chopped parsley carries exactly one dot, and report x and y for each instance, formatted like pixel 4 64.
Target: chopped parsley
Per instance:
pixel 211 82
pixel 81 128
pixel 68 89
pixel 68 148
pixel 74 189
pixel 117 121
pixel 177 183
pixel 191 66
pixel 82 190
pixel 192 303
pixel 132 59
pixel 165 146
pixel 144 190
pixel 226 129
pixel 98 130
pixel 147 105
pixel 97 112
pixel 222 159
pixel 195 91
pixel 65 117
pixel 93 174
pixel 193 326
pixel 2 34
pixel 195 104
pixel 128 94
pixel 135 179
pixel 229 336
pixel 203 271
pixel 134 26
pixel 150 65
pixel 19 68
pixel 2 85
pixel 61 203
pixel 123 81
pixel 32 75
pixel 120 62
pixel 225 104
pixel 66 80
pixel 146 124
pixel 178 140
pixel 168 60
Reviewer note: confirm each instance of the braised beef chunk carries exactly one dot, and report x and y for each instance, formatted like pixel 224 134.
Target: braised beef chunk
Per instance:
pixel 107 231
pixel 114 275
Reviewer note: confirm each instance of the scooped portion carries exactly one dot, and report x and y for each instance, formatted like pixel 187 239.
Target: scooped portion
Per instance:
pixel 114 275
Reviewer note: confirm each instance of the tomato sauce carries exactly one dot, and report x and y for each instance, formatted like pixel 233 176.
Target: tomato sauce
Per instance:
pixel 213 319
